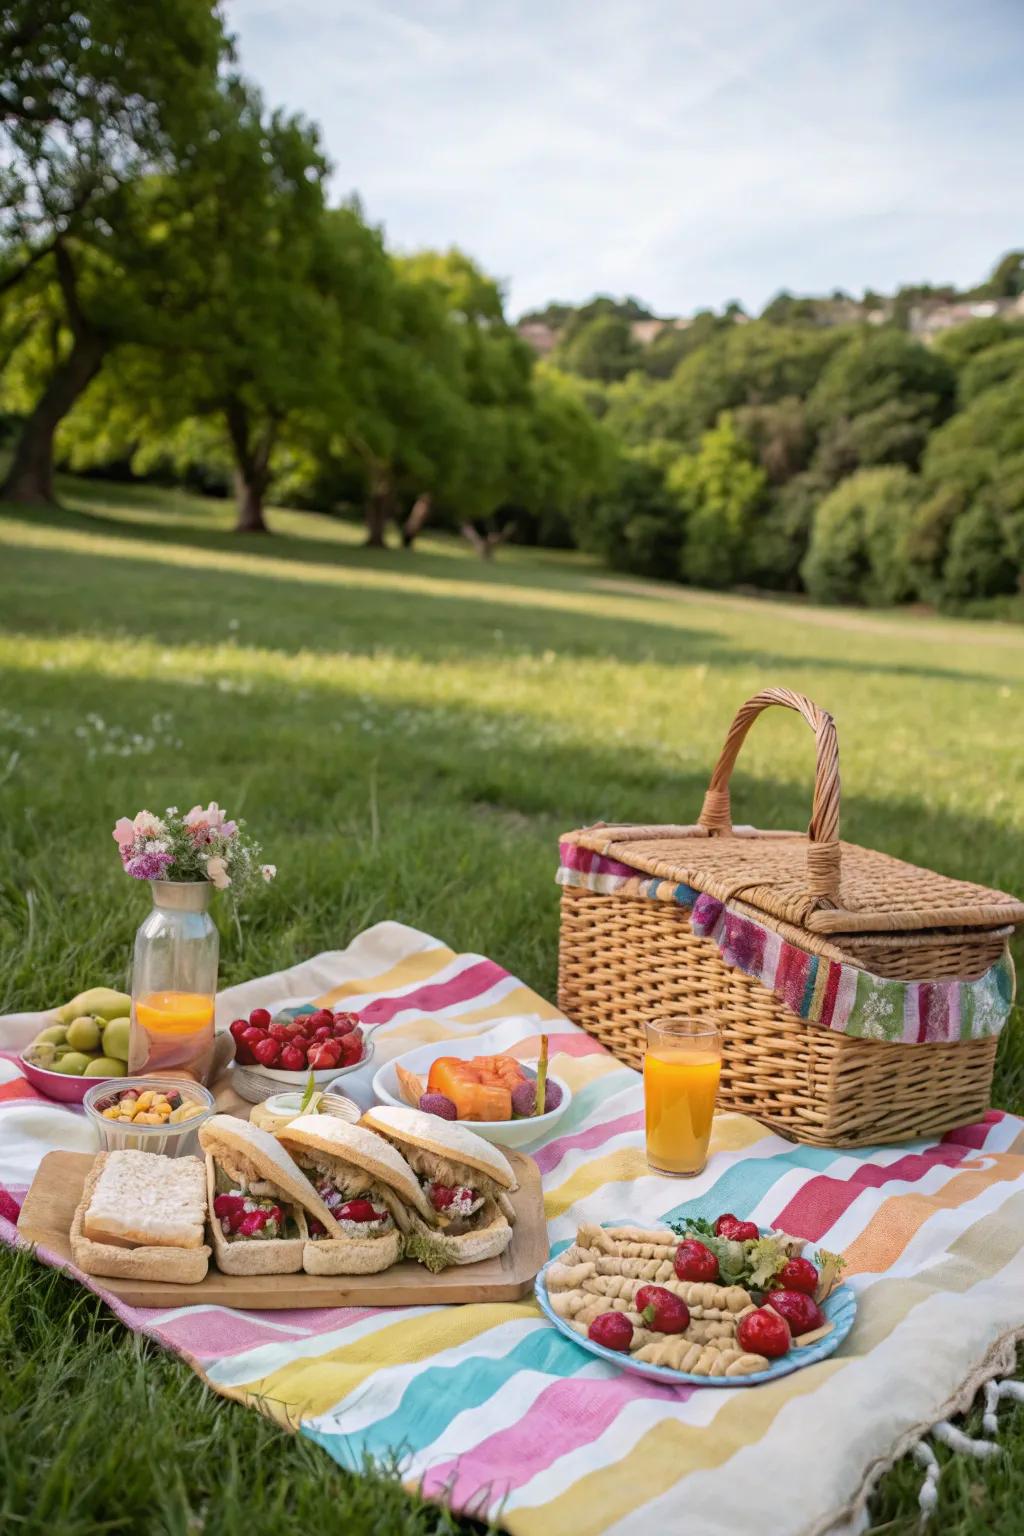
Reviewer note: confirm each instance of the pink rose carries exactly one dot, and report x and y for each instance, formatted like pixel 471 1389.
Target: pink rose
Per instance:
pixel 124 833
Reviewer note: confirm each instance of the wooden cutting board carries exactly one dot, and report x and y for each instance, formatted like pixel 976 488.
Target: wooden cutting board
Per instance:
pixel 57 1188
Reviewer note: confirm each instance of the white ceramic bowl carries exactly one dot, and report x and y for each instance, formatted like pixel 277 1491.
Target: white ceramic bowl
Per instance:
pixel 503 1133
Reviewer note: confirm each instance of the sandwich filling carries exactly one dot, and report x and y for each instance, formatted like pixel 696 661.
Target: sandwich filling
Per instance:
pixel 251 1210
pixel 455 1192
pixel 362 1206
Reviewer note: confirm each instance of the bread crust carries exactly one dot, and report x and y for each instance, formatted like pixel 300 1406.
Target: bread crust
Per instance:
pixel 352 1255
pixel 183 1266
pixel 253 1256
pixel 445 1139
pixel 360 1146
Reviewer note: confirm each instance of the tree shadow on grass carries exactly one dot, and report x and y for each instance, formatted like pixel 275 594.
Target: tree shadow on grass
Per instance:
pixel 339 609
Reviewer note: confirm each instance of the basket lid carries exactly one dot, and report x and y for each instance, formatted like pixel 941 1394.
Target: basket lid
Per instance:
pixel 815 881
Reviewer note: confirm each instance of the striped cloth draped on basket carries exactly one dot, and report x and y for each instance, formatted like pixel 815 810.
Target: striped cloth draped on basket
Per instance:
pixel 489 1407
pixel 837 996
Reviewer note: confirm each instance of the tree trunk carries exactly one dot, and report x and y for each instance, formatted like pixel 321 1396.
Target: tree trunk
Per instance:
pixel 417 519
pixel 30 477
pixel 252 468
pixel 380 505
pixel 249 503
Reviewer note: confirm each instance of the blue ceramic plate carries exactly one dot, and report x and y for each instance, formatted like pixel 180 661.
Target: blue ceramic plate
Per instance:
pixel 840 1309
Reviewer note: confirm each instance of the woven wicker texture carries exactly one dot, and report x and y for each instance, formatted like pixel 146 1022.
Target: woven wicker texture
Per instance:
pixel 625 960
pixel 814 882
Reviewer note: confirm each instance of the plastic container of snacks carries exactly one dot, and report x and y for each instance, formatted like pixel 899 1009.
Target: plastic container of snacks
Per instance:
pixel 140 1123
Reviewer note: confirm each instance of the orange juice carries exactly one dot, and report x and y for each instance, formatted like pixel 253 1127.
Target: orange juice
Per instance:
pixel 172 1030
pixel 680 1085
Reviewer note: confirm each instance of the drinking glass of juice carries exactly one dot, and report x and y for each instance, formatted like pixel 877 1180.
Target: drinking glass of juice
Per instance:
pixel 681 1070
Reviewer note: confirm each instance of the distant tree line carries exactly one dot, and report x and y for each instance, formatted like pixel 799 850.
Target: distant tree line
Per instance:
pixel 179 299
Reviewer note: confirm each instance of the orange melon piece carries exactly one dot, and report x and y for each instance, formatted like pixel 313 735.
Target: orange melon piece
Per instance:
pixel 474 1098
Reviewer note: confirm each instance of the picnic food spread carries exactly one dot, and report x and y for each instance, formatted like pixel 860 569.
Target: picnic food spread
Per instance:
pixel 715 1308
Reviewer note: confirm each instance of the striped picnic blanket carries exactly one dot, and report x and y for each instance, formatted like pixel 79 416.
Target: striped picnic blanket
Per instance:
pixel 490 1408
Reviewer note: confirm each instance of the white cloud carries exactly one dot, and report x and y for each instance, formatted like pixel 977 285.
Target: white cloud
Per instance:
pixel 688 151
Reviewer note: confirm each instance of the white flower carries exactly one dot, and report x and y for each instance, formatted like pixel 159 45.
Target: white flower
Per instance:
pixel 217 872
pixel 148 825
pixel 268 871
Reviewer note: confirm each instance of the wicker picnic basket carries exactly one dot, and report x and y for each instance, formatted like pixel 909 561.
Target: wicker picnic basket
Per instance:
pixel 691 920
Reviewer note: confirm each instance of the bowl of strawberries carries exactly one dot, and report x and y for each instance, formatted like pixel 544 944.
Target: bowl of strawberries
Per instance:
pixel 278 1049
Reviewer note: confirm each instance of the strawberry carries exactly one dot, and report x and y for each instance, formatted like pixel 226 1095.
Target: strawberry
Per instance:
pixel 324 1055
pixel 316 1228
pixel 252 1222
pixel 237 1026
pixel 357 1210
pixel 260 1017
pixel 321 1019
pixel 725 1224
pixel 612 1329
pixel 351 1050
pixel 695 1262
pixel 267 1052
pixel 662 1309
pixel 322 1032
pixel 744 1232
pixel 227 1205
pixel 280 1032
pixel 764 1333
pixel 243 1054
pixel 798 1275
pixel 252 1034
pixel 292 1059
pixel 345 1023
pixel 801 1311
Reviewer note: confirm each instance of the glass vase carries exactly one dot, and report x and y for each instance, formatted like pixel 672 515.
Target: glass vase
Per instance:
pixel 174 982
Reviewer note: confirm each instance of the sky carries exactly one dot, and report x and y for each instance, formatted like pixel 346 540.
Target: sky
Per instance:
pixel 689 152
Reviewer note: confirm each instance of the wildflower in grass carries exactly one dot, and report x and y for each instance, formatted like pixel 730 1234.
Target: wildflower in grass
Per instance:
pixel 268 871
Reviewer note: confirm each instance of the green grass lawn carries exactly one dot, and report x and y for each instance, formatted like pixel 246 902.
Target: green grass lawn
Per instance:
pixel 407 733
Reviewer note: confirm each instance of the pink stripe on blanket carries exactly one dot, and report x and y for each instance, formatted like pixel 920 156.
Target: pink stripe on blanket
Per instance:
pixel 435 996
pixel 822 1201
pixel 975 1136
pixel 550 1155
pixel 568 1414
pixel 220 1332
pixel 572 856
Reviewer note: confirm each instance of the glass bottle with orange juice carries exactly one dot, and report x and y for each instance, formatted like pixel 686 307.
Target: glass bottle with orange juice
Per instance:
pixel 174 982
pixel 681 1070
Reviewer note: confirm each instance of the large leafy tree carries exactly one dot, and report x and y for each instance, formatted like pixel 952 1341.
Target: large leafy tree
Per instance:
pixel 93 98
pixel 255 344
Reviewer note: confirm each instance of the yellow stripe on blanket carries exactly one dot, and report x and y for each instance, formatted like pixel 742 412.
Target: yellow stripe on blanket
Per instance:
pixel 419 966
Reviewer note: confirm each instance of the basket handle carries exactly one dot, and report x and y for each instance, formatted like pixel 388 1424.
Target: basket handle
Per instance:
pixel 823 832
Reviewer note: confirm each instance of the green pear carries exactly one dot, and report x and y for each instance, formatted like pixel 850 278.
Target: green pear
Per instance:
pixel 56 1034
pixel 102 1002
pixel 104 1066
pixel 84 1034
pixel 74 1064
pixel 115 1038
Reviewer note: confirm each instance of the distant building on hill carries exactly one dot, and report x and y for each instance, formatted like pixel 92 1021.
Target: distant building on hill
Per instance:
pixel 538 335
pixel 932 318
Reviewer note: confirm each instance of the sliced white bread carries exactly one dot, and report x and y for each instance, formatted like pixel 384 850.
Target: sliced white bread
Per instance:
pixel 445 1138
pixel 253 1255
pixel 246 1152
pixel 183 1266
pixel 147 1200
pixel 327 1136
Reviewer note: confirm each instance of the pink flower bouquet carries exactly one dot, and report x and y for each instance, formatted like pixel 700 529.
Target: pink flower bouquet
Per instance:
pixel 202 844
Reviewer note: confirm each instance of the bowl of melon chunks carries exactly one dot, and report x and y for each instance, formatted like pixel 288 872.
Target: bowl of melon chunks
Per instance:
pixel 507 1101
